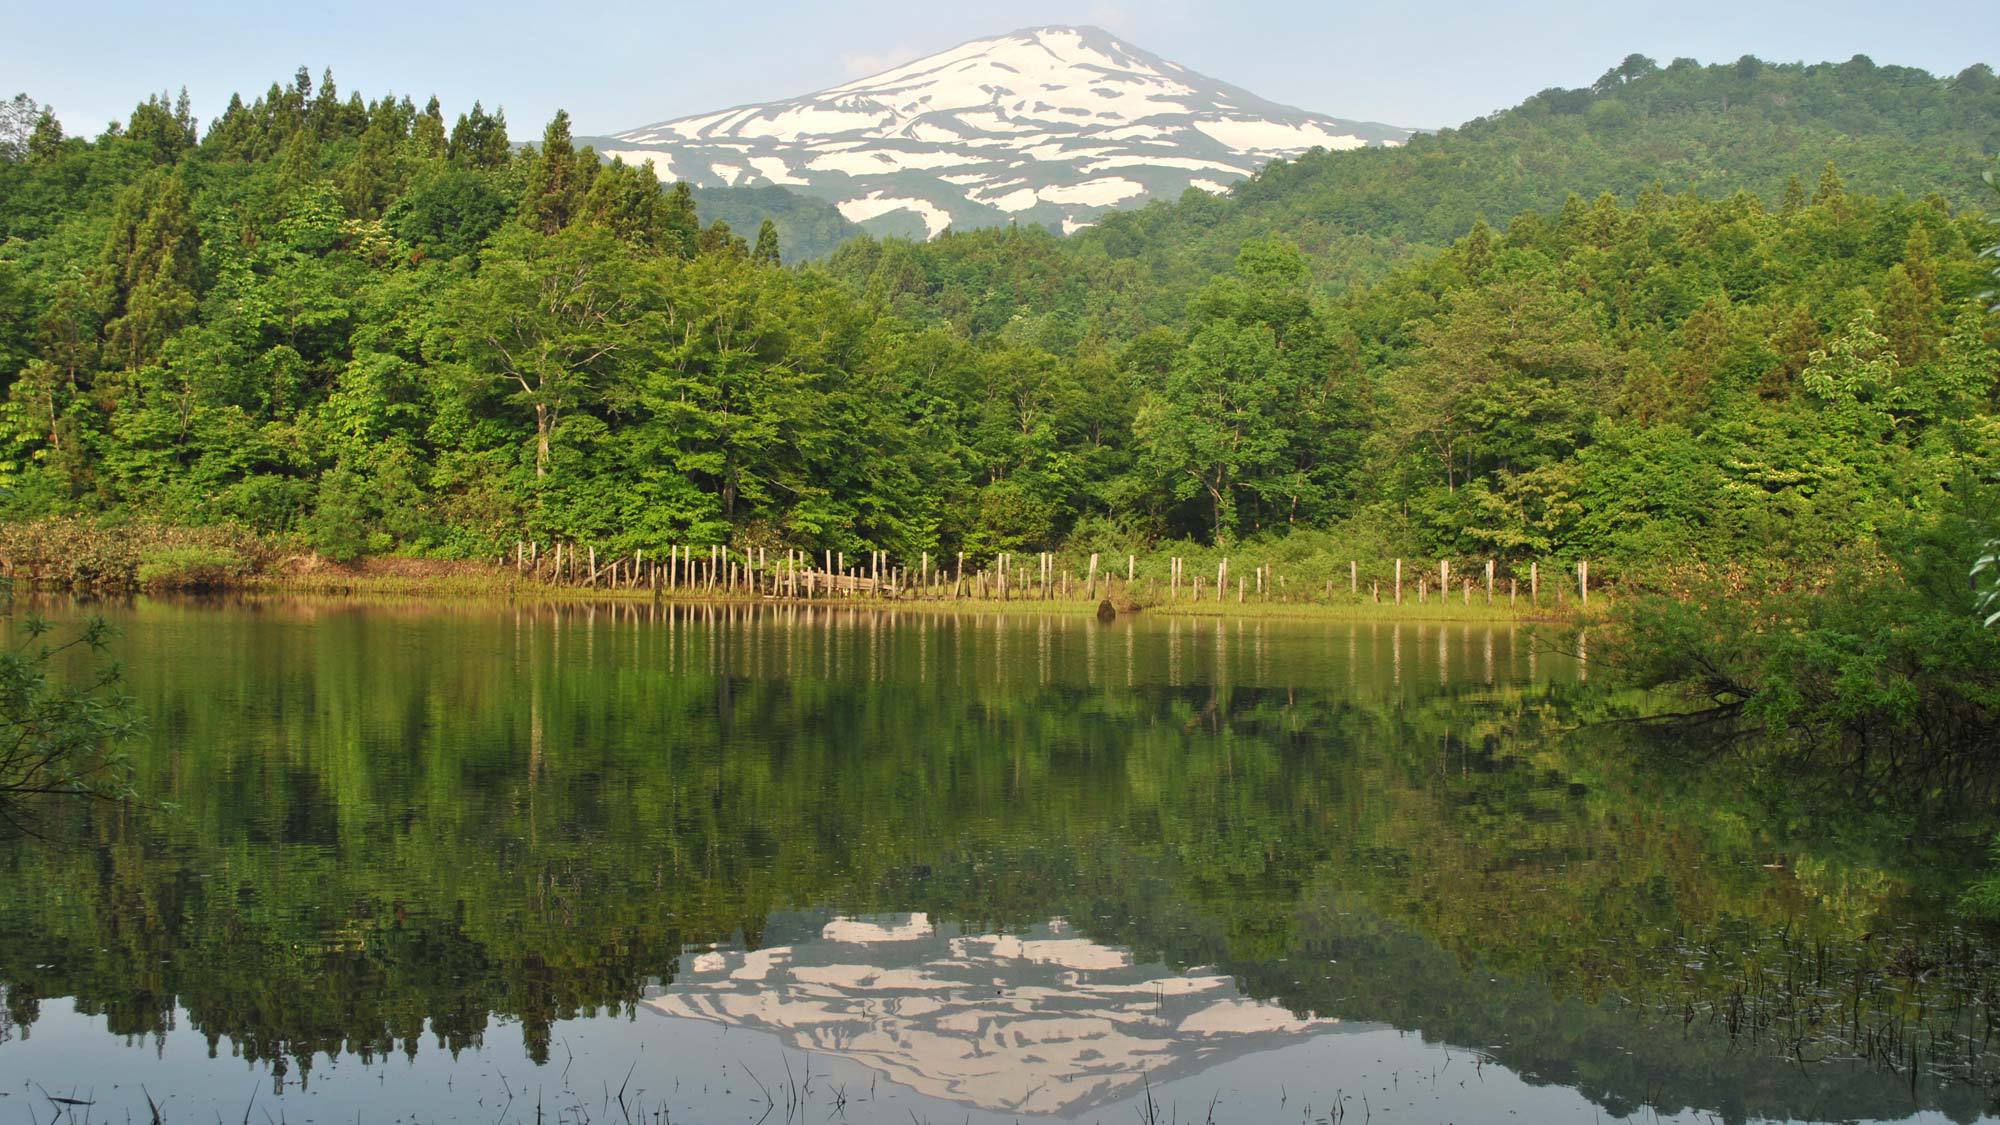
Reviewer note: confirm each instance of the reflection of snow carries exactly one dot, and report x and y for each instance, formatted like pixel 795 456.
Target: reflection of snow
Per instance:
pixel 860 932
pixel 1044 1022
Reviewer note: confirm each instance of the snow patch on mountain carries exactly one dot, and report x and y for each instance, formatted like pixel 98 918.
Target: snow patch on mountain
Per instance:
pixel 875 205
pixel 1050 125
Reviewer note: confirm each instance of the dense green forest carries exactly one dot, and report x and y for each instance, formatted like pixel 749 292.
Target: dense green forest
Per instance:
pixel 808 228
pixel 363 325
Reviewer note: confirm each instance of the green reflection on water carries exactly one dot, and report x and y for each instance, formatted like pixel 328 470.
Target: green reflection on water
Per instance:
pixel 393 823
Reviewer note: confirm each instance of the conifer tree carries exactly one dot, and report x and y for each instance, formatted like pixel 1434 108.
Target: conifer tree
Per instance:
pixel 479 140
pixel 1478 247
pixel 681 222
pixel 66 333
pixel 1912 313
pixel 555 186
pixel 158 131
pixel 717 238
pixel 766 251
pixel 298 165
pixel 1795 197
pixel 626 201
pixel 150 261
pixel 370 179
pixel 427 131
pixel 325 111
pixel 1831 188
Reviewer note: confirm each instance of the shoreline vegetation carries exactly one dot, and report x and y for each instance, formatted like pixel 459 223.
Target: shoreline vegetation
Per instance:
pixel 1186 579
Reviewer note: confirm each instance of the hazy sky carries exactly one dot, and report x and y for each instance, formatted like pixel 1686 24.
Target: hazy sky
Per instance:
pixel 620 63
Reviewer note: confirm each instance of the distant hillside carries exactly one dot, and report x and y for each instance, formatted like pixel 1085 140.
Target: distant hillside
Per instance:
pixel 808 228
pixel 1744 126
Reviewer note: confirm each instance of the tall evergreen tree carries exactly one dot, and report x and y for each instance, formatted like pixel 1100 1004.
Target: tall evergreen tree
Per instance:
pixel 765 253
pixel 717 238
pixel 427 137
pixel 557 180
pixel 150 262
pixel 1795 197
pixel 371 178
pixel 681 222
pixel 479 140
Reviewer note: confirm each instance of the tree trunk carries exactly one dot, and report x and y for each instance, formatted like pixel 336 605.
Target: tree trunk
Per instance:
pixel 542 426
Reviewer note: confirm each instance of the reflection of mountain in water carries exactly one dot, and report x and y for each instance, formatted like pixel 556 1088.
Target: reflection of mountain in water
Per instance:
pixel 1046 1022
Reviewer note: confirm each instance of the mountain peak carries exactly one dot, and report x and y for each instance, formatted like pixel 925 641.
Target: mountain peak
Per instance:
pixel 1052 124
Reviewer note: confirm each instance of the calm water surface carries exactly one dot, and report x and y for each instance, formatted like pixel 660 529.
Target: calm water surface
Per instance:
pixel 580 866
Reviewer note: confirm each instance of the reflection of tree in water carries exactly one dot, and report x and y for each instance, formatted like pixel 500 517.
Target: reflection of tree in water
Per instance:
pixel 424 842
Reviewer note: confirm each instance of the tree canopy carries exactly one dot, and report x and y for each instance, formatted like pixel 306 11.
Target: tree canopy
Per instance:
pixel 347 322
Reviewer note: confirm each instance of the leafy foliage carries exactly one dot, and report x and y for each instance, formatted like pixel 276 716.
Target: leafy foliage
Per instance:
pixel 345 322
pixel 1867 680
pixel 60 736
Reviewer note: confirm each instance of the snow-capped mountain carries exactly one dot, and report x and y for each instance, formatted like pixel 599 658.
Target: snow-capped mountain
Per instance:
pixel 1050 125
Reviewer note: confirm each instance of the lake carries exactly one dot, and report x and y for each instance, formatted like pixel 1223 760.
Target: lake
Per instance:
pixel 590 864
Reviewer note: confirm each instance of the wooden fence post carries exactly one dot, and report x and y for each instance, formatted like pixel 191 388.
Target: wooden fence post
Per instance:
pixel 1399 581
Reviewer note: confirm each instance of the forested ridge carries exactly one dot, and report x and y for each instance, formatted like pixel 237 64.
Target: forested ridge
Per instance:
pixel 1708 313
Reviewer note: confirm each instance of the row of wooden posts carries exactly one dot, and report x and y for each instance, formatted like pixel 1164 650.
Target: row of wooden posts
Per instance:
pixel 756 572
pixel 1269 584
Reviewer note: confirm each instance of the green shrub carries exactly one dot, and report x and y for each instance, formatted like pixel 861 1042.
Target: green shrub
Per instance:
pixel 106 554
pixel 1867 675
pixel 191 568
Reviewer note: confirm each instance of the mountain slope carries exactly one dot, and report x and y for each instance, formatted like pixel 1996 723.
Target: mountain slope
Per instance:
pixel 808 228
pixel 1741 126
pixel 1051 125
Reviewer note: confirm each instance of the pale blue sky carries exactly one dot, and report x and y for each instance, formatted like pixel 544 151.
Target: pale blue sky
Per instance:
pixel 622 63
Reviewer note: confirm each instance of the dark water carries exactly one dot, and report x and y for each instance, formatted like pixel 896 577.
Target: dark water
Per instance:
pixel 598 865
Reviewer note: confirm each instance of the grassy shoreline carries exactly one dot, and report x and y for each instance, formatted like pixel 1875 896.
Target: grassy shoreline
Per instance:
pixel 460 583
pixel 1272 581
